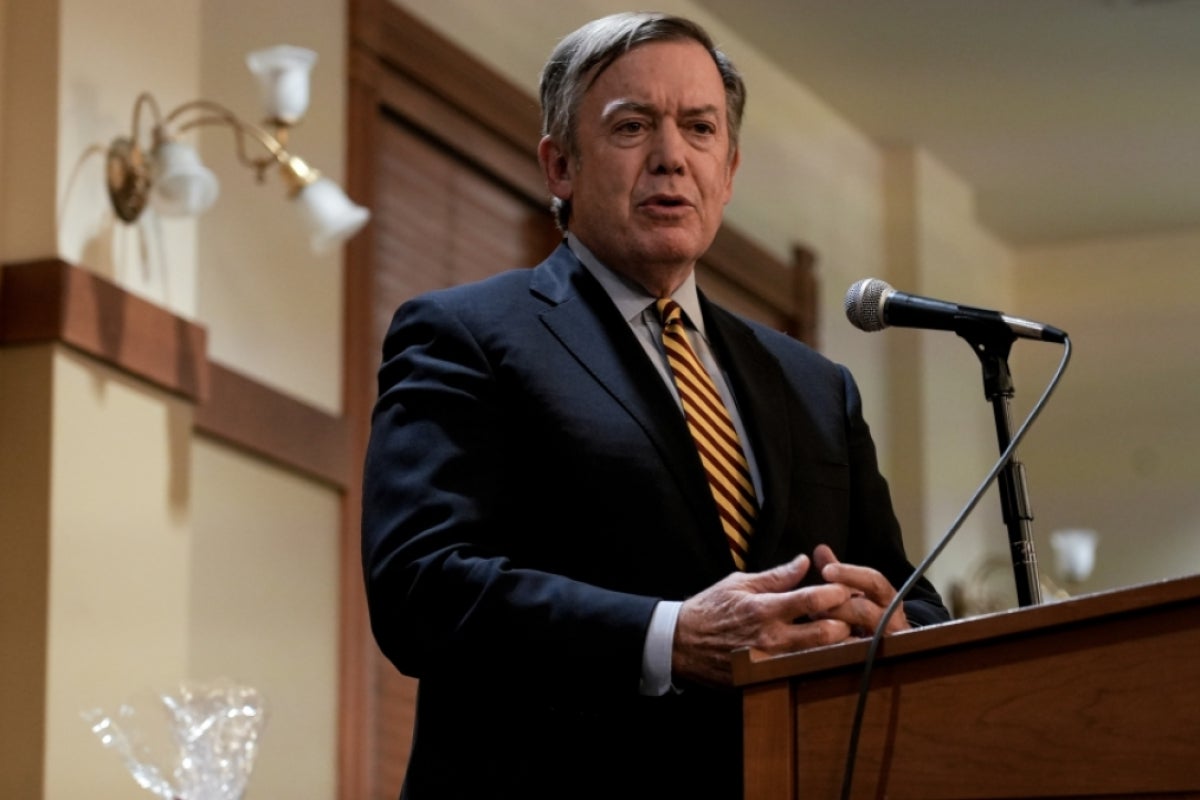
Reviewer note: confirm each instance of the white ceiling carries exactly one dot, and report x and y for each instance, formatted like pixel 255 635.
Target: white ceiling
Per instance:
pixel 1071 118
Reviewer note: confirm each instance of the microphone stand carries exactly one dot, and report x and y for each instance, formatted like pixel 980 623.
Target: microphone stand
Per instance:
pixel 992 344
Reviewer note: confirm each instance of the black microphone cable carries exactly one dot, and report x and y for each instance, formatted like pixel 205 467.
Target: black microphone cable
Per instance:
pixel 876 638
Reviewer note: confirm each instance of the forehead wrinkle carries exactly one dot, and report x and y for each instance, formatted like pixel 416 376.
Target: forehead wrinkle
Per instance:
pixel 708 110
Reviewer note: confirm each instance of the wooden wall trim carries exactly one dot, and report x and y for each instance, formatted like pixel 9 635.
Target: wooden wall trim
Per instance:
pixel 516 166
pixel 52 301
pixel 804 287
pixel 360 360
pixel 254 417
pixel 408 46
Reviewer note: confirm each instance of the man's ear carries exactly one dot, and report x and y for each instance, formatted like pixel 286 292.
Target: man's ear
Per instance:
pixel 556 167
pixel 734 162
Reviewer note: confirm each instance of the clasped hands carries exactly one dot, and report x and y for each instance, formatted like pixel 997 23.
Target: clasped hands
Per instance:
pixel 770 612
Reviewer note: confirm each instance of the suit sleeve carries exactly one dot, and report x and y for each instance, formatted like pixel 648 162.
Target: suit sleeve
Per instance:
pixel 450 584
pixel 876 539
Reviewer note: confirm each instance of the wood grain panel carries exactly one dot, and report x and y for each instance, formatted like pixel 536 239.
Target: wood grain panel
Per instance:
pixel 51 300
pixel 247 414
pixel 1098 696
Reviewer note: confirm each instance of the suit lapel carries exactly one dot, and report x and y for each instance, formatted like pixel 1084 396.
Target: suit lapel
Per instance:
pixel 584 320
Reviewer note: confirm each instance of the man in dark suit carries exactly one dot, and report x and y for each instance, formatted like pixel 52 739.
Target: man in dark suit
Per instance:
pixel 545 548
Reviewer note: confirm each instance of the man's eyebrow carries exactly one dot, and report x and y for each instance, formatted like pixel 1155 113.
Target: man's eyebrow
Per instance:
pixel 622 106
pixel 649 109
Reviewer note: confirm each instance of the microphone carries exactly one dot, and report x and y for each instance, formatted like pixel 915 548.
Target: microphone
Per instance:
pixel 872 305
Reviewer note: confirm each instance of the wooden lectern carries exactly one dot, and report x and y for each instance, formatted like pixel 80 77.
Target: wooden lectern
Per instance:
pixel 1097 696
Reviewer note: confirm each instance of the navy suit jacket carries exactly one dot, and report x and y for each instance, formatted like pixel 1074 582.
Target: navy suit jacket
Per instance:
pixel 532 491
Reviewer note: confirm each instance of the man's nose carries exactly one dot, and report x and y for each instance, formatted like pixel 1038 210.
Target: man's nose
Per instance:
pixel 667 150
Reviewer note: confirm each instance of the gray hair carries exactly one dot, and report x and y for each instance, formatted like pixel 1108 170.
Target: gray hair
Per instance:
pixel 582 56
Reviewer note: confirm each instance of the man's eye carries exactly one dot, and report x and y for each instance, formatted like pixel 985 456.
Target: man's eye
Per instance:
pixel 704 128
pixel 631 126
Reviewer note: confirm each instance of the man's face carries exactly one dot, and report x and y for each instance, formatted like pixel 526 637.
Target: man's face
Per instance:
pixel 653 169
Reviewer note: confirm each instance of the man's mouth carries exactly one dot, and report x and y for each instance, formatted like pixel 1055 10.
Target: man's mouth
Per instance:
pixel 665 201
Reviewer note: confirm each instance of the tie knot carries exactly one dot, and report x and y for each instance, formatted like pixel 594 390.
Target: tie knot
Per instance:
pixel 668 311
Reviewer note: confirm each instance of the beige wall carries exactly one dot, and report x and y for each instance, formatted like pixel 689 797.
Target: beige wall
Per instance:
pixel 143 46
pixel 145 556
pixel 943 441
pixel 1118 448
pixel 262 608
pixel 959 260
pixel 119 549
pixel 272 308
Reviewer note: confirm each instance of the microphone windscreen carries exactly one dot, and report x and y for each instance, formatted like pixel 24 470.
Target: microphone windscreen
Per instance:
pixel 864 304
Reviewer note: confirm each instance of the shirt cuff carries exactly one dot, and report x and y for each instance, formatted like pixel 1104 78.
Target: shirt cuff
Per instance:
pixel 656 653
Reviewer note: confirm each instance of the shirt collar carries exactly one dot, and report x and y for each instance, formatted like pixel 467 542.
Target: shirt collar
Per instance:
pixel 629 297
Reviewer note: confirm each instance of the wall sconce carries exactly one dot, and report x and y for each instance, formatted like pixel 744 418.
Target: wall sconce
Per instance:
pixel 172 176
pixel 1074 553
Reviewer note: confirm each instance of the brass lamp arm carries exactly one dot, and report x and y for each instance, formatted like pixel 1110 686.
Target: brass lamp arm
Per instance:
pixel 144 99
pixel 129 174
pixel 217 114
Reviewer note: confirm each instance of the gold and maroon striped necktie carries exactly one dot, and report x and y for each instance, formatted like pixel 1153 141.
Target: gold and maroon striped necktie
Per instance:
pixel 716 438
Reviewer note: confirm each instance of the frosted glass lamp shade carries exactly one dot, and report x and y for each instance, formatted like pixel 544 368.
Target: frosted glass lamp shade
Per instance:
pixel 330 216
pixel 183 186
pixel 282 73
pixel 1074 553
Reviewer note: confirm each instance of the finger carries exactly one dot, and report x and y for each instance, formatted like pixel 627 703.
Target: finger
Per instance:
pixel 781 578
pixel 857 612
pixel 864 579
pixel 863 615
pixel 823 556
pixel 803 635
pixel 810 601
